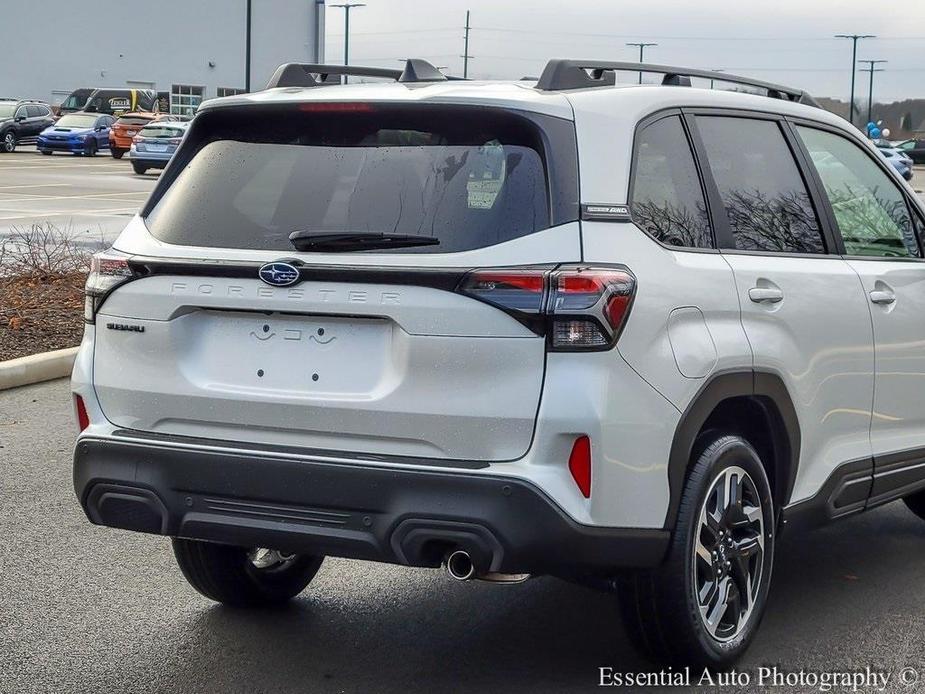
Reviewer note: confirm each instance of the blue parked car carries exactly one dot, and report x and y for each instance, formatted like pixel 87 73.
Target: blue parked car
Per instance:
pixel 78 133
pixel 898 158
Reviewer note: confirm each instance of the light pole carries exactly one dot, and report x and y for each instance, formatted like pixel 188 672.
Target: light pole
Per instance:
pixel 854 59
pixel 247 48
pixel 642 47
pixel 870 94
pixel 347 7
pixel 466 55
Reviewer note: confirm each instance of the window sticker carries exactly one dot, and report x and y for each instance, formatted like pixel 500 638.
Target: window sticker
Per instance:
pixel 486 176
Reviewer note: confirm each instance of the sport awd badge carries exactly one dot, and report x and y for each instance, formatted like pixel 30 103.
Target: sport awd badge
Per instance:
pixel 279 274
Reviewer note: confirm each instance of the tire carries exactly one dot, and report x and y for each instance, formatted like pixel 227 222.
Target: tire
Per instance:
pixel 117 153
pixel 90 151
pixel 916 504
pixel 139 169
pixel 235 576
pixel 8 142
pixel 662 607
pixel 47 152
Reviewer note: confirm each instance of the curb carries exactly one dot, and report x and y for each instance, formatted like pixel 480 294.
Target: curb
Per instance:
pixel 36 368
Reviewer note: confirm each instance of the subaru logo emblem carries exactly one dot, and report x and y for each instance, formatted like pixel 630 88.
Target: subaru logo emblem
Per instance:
pixel 279 274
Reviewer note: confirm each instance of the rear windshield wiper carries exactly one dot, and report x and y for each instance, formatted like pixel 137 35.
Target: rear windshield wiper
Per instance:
pixel 306 240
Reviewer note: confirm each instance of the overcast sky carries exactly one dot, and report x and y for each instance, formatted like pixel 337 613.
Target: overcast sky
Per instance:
pixel 785 41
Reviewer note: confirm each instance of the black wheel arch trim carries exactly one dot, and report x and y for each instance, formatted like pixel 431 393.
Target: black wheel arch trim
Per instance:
pixel 768 390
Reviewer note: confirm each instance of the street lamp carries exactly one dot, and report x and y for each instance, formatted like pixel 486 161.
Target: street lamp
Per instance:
pixel 854 58
pixel 347 7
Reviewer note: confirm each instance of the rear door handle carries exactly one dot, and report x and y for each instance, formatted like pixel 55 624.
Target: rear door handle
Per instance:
pixel 883 297
pixel 765 295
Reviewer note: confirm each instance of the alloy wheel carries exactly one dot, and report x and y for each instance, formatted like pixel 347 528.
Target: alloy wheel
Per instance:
pixel 728 554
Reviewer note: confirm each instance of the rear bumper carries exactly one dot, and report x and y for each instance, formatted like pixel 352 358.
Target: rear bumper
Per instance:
pixel 360 511
pixel 149 163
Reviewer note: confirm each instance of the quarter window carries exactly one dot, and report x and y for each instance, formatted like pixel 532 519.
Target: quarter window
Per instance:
pixel 765 197
pixel 870 209
pixel 668 200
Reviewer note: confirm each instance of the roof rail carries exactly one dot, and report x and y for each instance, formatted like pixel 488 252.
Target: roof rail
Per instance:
pixel 562 75
pixel 316 75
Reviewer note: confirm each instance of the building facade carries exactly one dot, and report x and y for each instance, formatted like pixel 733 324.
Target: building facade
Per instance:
pixel 193 49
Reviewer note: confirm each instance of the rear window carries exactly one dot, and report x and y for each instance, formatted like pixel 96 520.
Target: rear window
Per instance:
pixel 157 131
pixel 468 177
pixel 134 120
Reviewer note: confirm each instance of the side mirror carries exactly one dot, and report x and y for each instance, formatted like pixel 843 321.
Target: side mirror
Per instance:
pixel 20 119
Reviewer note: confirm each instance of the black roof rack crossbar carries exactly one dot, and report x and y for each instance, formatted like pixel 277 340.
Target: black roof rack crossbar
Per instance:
pixel 560 75
pixel 317 75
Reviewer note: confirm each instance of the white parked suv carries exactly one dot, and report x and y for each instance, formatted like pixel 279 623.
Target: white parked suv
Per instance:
pixel 621 335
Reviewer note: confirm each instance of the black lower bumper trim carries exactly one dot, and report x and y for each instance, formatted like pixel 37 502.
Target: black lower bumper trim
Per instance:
pixel 358 511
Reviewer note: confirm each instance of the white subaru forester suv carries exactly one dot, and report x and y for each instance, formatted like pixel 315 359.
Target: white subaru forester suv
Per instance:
pixel 623 335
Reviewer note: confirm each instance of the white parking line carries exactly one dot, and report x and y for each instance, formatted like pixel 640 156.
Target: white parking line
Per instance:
pixel 109 212
pixel 39 185
pixel 87 196
pixel 43 167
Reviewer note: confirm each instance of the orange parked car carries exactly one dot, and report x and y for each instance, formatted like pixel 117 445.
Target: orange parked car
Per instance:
pixel 128 125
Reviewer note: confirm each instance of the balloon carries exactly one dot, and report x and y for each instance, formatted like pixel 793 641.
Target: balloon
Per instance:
pixel 875 133
pixel 885 132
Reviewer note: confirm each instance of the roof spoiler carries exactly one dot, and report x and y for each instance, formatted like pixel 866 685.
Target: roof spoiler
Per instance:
pixel 317 75
pixel 561 75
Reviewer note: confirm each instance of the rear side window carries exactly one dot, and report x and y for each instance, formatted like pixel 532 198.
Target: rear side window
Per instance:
pixel 468 177
pixel 668 200
pixel 765 197
pixel 870 209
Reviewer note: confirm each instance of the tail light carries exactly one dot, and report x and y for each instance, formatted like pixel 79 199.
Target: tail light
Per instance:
pixel 108 270
pixel 175 140
pixel 138 139
pixel 80 411
pixel 578 308
pixel 336 107
pixel 579 464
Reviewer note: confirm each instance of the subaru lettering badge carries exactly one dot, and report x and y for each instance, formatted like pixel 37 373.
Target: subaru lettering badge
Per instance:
pixel 279 274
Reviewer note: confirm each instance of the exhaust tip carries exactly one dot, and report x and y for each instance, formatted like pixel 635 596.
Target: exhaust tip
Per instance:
pixel 459 565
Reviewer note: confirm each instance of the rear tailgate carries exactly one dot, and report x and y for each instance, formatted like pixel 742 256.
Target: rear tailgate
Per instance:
pixel 370 352
pixel 396 370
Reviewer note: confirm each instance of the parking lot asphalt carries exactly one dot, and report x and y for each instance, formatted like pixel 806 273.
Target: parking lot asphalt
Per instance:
pixel 90 609
pixel 93 197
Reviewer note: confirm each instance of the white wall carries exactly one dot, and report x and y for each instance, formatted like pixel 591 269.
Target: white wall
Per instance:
pixel 60 45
